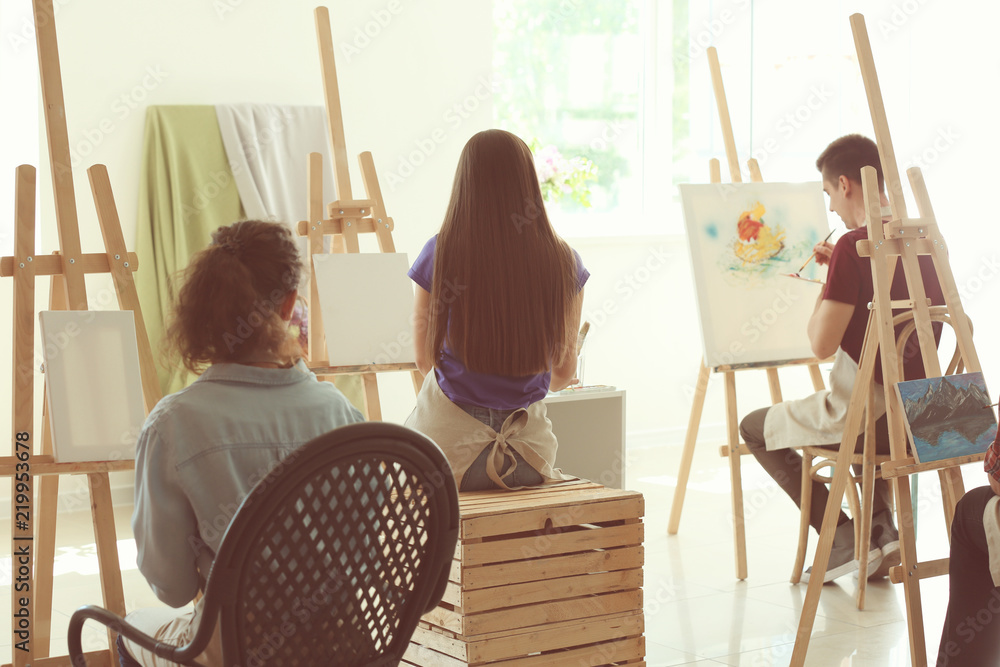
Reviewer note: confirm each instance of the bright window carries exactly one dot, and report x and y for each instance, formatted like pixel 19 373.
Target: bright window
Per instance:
pixel 571 75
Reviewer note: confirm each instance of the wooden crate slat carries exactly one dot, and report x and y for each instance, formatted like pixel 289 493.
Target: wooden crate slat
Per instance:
pixel 541 499
pixel 538 546
pixel 545 576
pixel 562 610
pixel 442 642
pixel 488 599
pixel 588 509
pixel 555 636
pixel 425 656
pixel 516 572
pixel 496 502
pixel 486 499
pixel 452 594
pixel 608 652
pixel 516 644
pixel 533 615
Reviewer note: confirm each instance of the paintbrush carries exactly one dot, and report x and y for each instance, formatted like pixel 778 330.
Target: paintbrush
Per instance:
pixel 806 263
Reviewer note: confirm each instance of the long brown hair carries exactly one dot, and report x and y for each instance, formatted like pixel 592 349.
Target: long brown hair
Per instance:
pixel 228 308
pixel 504 282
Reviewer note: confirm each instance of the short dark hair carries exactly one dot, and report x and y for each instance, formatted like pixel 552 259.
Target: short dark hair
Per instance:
pixel 846 156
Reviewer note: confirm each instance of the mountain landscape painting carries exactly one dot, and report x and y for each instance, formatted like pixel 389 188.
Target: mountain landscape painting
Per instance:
pixel 948 416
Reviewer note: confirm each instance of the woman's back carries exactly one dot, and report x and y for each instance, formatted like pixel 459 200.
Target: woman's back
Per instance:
pixel 498 301
pixel 206 447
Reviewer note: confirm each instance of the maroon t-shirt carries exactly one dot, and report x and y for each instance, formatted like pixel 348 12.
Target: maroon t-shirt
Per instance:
pixel 849 280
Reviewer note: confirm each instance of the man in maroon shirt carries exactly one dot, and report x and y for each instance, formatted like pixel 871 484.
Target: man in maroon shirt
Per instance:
pixel 837 327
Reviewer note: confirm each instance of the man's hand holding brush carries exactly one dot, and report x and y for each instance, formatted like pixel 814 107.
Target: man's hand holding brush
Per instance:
pixel 823 250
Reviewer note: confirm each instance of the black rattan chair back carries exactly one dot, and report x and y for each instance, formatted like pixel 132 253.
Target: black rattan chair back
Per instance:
pixel 333 558
pixel 330 560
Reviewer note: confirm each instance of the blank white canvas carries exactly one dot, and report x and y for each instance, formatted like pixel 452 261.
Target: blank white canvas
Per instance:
pixel 367 306
pixel 93 384
pixel 750 313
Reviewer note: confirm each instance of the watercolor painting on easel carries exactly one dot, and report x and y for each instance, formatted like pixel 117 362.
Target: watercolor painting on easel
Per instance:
pixel 947 416
pixel 745 240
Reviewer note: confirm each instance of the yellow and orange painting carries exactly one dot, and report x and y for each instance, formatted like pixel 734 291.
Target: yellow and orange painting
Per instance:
pixel 757 242
pixel 757 248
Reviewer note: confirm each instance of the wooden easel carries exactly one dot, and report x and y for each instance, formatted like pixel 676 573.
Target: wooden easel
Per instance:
pixel 68 291
pixel 734 449
pixel 346 218
pixel 902 238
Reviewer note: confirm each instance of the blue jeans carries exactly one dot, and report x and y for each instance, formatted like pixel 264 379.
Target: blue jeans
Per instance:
pixel 475 478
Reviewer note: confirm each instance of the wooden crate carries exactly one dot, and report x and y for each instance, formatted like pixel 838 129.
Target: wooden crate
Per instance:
pixel 544 576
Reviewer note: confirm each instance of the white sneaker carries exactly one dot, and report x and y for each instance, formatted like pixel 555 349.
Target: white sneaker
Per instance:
pixel 842 560
pixel 885 535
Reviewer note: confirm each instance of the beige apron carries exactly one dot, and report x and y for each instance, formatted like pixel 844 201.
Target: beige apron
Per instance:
pixel 462 437
pixel 818 419
pixel 991 526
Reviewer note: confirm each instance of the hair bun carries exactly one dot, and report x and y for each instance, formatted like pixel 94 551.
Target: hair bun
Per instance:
pixel 232 245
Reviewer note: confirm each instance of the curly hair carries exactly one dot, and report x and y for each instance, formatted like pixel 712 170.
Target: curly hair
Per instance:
pixel 228 308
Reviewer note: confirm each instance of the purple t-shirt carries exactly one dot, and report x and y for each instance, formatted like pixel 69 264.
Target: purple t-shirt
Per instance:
pixel 461 385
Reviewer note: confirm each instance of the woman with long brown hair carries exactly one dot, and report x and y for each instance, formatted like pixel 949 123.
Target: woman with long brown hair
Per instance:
pixel 202 449
pixel 498 304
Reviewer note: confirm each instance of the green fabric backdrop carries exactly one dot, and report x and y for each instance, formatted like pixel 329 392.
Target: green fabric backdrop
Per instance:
pixel 186 191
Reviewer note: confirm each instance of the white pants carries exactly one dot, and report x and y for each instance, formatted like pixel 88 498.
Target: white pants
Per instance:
pixel 171 626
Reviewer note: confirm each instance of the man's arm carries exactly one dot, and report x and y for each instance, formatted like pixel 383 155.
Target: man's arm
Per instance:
pixel 827 326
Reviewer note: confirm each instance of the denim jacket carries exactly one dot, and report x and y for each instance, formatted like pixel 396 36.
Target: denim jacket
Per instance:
pixel 202 450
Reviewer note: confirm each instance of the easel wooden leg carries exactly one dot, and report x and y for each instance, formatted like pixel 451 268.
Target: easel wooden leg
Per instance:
pixel 102 511
pixel 23 434
pixel 45 555
pixel 810 605
pixel 952 490
pixel 736 476
pixel 48 507
pixel 867 496
pixel 817 377
pixel 841 477
pixel 688 454
pixel 804 513
pixel 911 583
pixel 418 381
pixel 373 409
pixel 773 385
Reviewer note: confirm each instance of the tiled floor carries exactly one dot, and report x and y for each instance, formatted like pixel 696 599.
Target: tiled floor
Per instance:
pixel 697 613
